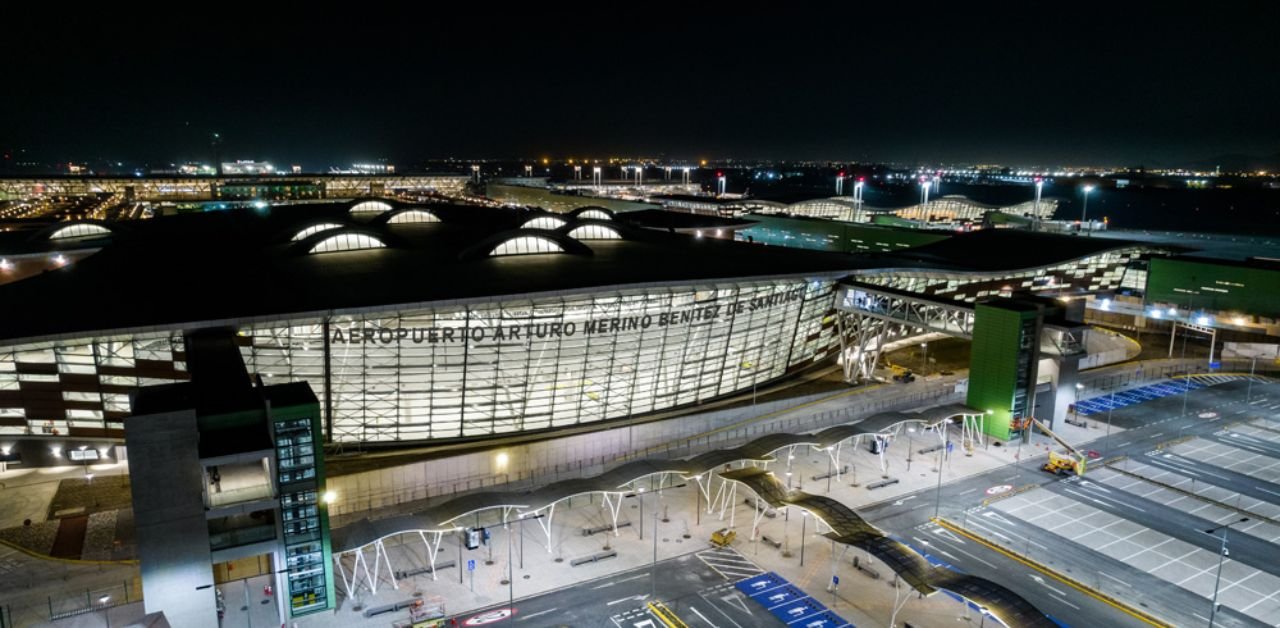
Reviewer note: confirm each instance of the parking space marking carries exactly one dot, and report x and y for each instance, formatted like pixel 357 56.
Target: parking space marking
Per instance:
pixel 1158 554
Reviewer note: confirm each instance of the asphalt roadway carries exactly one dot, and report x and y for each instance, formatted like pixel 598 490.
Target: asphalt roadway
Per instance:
pixel 698 594
pixel 1148 425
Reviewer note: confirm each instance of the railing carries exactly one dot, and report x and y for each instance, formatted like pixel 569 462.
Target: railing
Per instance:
pixel 241 536
pixel 228 497
pixel 80 602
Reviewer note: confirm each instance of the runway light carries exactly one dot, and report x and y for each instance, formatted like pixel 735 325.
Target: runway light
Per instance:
pixel 330 497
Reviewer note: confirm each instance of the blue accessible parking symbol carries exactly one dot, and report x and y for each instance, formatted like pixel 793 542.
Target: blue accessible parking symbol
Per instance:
pixel 471 565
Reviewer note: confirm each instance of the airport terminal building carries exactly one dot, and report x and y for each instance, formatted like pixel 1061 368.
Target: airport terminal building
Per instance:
pixel 413 323
pixel 416 322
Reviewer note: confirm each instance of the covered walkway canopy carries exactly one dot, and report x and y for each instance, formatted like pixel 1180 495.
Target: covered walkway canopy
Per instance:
pixel 432 523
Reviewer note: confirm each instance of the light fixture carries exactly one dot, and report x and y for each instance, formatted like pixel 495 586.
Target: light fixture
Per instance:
pixel 330 497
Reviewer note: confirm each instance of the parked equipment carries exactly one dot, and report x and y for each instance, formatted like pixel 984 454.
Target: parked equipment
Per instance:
pixel 723 537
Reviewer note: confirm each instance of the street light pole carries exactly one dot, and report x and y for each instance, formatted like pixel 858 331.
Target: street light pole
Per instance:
pixel 1222 555
pixel 937 500
pixel 1084 211
pixel 653 571
pixel 804 519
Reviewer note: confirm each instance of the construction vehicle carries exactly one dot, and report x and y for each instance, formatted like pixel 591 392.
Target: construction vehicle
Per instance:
pixel 902 374
pixel 1059 464
pixel 723 537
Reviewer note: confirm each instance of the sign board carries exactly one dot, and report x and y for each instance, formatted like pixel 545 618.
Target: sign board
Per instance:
pixel 1215 365
pixel 835 580
pixel 471 565
pixel 83 454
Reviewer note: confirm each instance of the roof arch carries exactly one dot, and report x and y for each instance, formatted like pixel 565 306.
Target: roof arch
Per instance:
pixel 592 212
pixel 371 206
pixel 593 230
pixel 544 221
pixel 346 241
pixel 410 215
pixel 524 242
pixel 340 240
pixel 315 228
pixel 77 230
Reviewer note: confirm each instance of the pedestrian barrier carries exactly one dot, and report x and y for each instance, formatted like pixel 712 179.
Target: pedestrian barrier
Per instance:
pixel 832 474
pixel 400 575
pixel 857 564
pixel 594 558
pixel 390 608
pixel 603 528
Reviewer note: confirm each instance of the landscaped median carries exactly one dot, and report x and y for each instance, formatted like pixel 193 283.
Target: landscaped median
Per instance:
pixel 1139 614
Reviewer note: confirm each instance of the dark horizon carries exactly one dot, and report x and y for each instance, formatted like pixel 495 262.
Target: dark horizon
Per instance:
pixel 1013 84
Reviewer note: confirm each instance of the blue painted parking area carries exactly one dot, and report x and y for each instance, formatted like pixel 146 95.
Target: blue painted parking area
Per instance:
pixel 1135 396
pixel 788 603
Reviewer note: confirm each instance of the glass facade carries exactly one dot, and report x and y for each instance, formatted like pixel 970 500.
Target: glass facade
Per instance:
pixel 495 367
pixel 516 365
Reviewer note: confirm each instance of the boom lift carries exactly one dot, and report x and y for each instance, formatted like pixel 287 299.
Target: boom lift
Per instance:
pixel 1059 464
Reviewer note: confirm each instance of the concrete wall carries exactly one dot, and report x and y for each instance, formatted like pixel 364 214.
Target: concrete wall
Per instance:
pixel 173 537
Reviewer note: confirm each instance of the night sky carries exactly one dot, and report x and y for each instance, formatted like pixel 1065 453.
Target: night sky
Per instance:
pixel 1053 83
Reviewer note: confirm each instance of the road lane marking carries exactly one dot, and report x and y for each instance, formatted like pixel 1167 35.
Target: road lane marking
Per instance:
pixel 1116 579
pixel 532 615
pixel 695 611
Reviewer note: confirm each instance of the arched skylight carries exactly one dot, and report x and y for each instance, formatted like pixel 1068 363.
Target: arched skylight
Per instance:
pixel 347 242
pixel 526 245
pixel 594 214
pixel 370 207
pixel 79 230
pixel 594 232
pixel 314 229
pixel 413 216
pixel 543 222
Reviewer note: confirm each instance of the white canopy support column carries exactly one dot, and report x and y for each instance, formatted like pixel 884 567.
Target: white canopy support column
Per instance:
pixel 755 519
pixel 834 454
pixel 361 561
pixel 703 481
pixel 612 502
pixel 346 582
pixel 971 434
pixel 726 497
pixel 546 527
pixel 433 549
pixel 381 551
